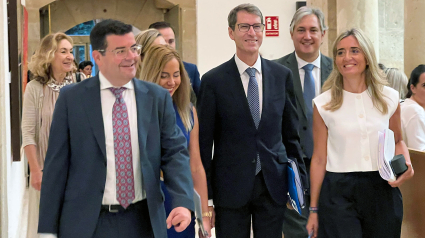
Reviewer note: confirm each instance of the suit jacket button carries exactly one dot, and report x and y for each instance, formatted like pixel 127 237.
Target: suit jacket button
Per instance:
pixel 253 161
pixel 304 128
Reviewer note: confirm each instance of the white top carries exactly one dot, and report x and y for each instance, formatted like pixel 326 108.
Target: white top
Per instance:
pixel 316 72
pixel 245 77
pixel 352 144
pixel 413 124
pixel 107 100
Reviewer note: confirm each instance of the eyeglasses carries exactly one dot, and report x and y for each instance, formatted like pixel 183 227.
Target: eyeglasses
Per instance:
pixel 244 27
pixel 123 52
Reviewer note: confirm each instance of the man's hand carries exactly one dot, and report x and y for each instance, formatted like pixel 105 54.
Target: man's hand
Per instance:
pixel 180 218
pixel 36 177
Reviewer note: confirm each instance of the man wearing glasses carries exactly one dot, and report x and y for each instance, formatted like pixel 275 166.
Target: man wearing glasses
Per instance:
pixel 247 110
pixel 106 150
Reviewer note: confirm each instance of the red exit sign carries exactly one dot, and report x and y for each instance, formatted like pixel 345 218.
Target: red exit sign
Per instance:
pixel 272 25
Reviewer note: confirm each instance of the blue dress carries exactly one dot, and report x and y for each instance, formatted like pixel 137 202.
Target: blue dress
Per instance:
pixel 190 230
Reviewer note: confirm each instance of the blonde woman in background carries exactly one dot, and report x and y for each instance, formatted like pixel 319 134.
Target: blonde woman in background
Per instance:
pixel 147 39
pixel 348 196
pixel 51 68
pixel 397 80
pixel 164 67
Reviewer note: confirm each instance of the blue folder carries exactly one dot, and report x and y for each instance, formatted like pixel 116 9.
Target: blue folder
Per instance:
pixel 295 188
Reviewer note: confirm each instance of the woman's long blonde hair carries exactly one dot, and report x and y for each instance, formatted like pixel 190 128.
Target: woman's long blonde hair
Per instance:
pixel 375 81
pixel 41 62
pixel 145 39
pixel 155 60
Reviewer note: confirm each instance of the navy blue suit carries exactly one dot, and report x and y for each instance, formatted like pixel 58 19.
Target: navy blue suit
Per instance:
pixel 75 167
pixel 193 74
pixel 226 121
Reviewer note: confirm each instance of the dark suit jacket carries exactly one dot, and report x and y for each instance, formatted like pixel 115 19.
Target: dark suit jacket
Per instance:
pixel 305 129
pixel 226 121
pixel 75 166
pixel 193 74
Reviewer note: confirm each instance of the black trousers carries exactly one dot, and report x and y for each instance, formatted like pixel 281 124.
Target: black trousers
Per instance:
pixel 134 222
pixel 359 205
pixel 267 216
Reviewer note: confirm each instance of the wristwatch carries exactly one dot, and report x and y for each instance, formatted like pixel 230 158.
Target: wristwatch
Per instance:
pixel 207 214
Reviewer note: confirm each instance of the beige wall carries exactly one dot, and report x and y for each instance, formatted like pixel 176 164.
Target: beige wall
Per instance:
pixel 140 13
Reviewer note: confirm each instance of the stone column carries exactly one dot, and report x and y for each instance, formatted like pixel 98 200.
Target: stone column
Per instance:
pixel 363 14
pixel 4 113
pixel 328 7
pixel 414 34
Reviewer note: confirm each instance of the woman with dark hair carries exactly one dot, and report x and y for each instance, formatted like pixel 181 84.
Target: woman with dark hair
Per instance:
pixel 413 110
pixel 348 196
pixel 51 67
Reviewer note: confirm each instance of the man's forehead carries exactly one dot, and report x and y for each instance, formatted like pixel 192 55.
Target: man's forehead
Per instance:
pixel 244 14
pixel 308 19
pixel 168 32
pixel 117 41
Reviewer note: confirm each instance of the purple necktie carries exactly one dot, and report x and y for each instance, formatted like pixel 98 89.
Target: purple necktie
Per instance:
pixel 122 150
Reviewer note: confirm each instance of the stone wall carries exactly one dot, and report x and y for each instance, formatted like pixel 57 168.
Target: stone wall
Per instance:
pixel 391 33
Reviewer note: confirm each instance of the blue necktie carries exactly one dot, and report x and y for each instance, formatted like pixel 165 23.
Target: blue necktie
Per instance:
pixel 254 106
pixel 309 90
pixel 309 94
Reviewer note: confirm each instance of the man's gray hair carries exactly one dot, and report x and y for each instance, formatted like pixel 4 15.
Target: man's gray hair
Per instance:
pixel 305 11
pixel 247 7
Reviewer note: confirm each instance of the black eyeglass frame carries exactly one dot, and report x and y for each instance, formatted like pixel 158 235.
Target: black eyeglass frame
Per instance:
pixel 246 24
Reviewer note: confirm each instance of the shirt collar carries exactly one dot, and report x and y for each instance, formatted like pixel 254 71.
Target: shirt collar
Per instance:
pixel 105 84
pixel 242 66
pixel 302 63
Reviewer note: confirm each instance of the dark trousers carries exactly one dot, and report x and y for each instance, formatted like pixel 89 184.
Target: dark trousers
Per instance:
pixel 294 224
pixel 267 216
pixel 134 222
pixel 359 205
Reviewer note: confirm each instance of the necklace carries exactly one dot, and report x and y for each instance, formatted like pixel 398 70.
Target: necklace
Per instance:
pixel 55 86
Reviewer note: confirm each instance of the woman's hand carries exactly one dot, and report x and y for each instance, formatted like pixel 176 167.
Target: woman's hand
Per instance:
pixel 36 177
pixel 207 226
pixel 212 219
pixel 313 225
pixel 404 177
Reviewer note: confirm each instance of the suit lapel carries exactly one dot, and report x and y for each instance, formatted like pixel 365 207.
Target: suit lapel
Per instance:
pixel 293 66
pixel 237 90
pixel 325 69
pixel 144 109
pixel 93 108
pixel 268 81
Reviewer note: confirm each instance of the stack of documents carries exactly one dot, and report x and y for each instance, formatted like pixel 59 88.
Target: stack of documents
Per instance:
pixel 198 212
pixel 295 188
pixel 386 151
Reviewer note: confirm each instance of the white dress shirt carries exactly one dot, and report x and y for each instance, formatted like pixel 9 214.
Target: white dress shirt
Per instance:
pixel 352 144
pixel 413 124
pixel 245 77
pixel 107 102
pixel 316 72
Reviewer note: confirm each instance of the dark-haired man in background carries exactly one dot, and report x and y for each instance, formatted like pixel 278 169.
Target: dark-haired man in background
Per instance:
pixel 111 135
pixel 168 33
